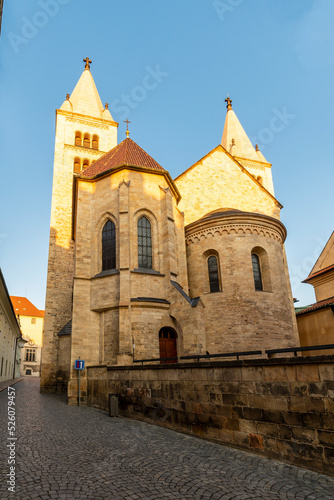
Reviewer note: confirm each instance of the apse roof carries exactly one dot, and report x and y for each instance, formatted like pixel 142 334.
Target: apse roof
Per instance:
pixel 127 153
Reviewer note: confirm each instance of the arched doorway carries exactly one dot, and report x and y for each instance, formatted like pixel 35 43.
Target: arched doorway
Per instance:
pixel 167 344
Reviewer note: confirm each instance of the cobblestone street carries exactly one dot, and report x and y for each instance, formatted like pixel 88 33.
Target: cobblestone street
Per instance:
pixel 65 452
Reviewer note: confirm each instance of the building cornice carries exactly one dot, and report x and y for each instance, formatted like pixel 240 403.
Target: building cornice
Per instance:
pixel 113 170
pixel 86 120
pixel 82 149
pixel 236 223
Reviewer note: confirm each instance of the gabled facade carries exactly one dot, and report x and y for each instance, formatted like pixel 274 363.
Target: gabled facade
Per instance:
pixel 31 321
pixel 142 267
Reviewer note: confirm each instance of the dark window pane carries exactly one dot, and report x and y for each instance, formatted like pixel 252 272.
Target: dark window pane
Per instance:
pixel 213 274
pixel 144 243
pixel 108 246
pixel 257 272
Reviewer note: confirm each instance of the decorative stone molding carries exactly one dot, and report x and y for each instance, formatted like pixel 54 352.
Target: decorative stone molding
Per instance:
pixel 238 223
pixel 233 229
pixel 90 123
pixel 80 150
pixel 258 168
pixel 127 184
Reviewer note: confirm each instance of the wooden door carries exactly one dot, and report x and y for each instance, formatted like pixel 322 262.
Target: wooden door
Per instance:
pixel 167 342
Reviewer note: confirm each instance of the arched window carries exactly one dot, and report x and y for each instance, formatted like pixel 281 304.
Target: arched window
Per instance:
pixel 85 164
pixel 144 243
pixel 257 272
pixel 108 246
pixel 95 142
pixel 86 141
pixel 78 139
pixel 259 179
pixel 213 274
pixel 77 166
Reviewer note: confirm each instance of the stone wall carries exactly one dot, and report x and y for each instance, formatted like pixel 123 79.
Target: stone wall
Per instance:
pixel 279 408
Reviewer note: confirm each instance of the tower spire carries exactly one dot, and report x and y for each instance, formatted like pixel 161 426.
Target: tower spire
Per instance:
pixel 235 139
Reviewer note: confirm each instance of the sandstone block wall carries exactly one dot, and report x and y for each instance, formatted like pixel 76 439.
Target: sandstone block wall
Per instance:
pixel 280 408
pixel 217 181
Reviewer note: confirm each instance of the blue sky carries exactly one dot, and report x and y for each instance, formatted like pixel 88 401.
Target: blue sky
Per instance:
pixel 271 57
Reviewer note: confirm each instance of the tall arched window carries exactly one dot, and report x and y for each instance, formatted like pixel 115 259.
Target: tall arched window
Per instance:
pixel 144 243
pixel 78 139
pixel 95 142
pixel 108 246
pixel 77 166
pixel 257 272
pixel 213 274
pixel 86 141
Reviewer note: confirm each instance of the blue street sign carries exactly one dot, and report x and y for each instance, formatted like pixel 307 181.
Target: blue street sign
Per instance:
pixel 79 364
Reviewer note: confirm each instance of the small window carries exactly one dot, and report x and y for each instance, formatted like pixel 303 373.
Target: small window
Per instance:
pixel 33 321
pixel 28 371
pixel 257 272
pixel 77 166
pixel 108 246
pixel 95 142
pixel 78 139
pixel 31 355
pixel 259 179
pixel 85 164
pixel 86 141
pixel 144 243
pixel 213 274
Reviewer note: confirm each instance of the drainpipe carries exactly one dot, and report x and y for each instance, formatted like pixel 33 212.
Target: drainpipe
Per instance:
pixel 17 338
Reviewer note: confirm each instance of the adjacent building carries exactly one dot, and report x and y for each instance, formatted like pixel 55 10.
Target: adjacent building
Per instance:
pixel 145 266
pixel 31 320
pixel 316 321
pixel 10 336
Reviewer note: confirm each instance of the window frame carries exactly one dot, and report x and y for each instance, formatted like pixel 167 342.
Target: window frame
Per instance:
pixel 212 282
pixel 112 249
pixel 30 355
pixel 144 251
pixel 257 273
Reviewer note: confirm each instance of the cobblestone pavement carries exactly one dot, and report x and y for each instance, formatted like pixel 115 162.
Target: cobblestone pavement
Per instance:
pixel 65 452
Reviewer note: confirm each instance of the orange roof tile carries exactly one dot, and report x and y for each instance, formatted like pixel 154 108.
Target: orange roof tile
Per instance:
pixel 126 153
pixel 322 304
pixel 24 307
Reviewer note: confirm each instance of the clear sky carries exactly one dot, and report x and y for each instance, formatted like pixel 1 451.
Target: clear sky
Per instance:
pixel 272 57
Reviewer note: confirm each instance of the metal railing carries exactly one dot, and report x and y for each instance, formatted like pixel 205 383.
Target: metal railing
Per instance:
pixel 223 355
pixel 295 350
pixel 161 360
pixel 268 352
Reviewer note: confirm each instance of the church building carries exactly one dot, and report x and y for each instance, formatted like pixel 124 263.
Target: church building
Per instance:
pixel 144 266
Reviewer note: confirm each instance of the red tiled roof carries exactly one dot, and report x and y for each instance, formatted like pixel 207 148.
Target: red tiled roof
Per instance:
pixel 126 153
pixel 318 273
pixel 24 307
pixel 318 305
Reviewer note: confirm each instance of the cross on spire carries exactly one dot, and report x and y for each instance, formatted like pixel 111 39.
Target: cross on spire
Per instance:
pixel 88 63
pixel 127 127
pixel 228 100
